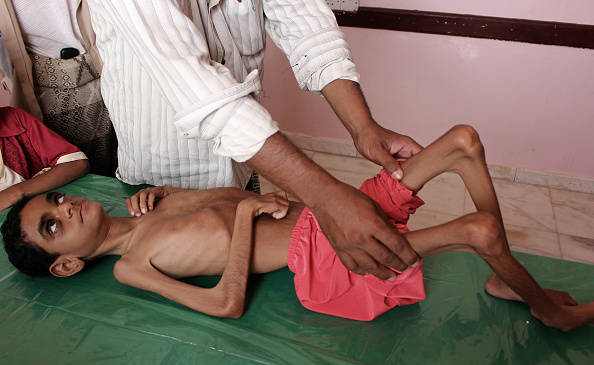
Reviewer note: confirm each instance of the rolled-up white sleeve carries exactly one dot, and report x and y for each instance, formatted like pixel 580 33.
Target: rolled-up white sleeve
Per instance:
pixel 208 102
pixel 308 34
pixel 238 124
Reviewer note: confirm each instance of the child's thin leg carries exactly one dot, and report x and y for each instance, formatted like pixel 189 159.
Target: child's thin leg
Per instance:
pixel 481 234
pixel 459 150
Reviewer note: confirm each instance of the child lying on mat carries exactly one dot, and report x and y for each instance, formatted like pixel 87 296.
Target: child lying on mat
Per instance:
pixel 214 232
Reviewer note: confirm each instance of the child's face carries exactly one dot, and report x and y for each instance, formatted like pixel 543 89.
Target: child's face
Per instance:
pixel 64 225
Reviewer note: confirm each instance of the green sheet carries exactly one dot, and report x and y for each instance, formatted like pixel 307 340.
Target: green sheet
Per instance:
pixel 91 318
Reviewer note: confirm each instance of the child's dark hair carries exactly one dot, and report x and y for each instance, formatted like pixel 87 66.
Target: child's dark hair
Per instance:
pixel 26 256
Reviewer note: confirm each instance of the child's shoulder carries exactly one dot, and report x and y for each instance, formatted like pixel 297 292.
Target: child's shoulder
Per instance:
pixel 129 268
pixel 122 269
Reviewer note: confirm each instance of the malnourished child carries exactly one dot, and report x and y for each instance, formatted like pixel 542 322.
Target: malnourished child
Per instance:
pixel 176 233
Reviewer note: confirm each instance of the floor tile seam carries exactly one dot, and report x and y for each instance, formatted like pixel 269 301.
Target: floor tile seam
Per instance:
pixel 555 222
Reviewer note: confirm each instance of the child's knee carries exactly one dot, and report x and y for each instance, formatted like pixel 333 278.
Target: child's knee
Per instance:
pixel 485 234
pixel 467 140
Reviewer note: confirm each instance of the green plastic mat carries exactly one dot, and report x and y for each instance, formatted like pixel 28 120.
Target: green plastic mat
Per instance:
pixel 91 318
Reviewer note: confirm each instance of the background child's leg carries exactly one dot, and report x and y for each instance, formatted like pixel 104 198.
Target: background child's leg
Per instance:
pixel 481 234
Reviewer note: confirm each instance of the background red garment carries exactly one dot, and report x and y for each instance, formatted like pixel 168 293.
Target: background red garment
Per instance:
pixel 323 284
pixel 27 145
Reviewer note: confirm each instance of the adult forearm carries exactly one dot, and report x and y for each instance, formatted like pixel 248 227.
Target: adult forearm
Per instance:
pixel 287 167
pixel 347 100
pixel 357 229
pixel 374 142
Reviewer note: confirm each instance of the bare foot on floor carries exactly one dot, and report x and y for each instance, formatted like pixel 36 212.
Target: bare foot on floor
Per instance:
pixel 498 288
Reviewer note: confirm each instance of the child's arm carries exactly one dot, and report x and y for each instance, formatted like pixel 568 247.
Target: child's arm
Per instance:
pixel 227 298
pixel 145 200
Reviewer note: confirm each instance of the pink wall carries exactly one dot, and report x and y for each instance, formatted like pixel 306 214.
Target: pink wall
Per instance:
pixel 532 104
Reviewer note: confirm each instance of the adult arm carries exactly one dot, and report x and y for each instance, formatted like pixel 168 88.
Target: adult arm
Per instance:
pixel 322 62
pixel 227 298
pixel 55 177
pixel 374 142
pixel 356 227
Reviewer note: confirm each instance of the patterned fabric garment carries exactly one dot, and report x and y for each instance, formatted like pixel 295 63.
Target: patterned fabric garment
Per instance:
pixel 181 80
pixel 20 155
pixel 69 95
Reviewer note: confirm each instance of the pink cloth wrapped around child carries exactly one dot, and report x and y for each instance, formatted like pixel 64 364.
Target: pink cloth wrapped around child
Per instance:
pixel 323 284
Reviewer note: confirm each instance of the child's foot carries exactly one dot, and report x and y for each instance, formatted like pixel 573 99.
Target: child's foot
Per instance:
pixel 498 288
pixel 560 297
pixel 566 319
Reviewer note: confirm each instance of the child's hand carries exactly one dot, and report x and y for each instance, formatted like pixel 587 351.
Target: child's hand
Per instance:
pixel 276 204
pixel 145 200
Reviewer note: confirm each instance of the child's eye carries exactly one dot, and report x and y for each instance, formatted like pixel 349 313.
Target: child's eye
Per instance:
pixel 60 199
pixel 51 227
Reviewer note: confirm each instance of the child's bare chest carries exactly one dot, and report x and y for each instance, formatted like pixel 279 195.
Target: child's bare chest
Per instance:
pixel 185 244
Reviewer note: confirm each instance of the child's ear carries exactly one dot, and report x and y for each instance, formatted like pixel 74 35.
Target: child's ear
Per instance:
pixel 66 266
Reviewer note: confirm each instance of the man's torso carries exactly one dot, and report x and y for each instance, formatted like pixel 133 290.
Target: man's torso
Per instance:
pixel 151 149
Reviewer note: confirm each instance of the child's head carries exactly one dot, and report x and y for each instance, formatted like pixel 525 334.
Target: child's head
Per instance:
pixel 22 253
pixel 53 234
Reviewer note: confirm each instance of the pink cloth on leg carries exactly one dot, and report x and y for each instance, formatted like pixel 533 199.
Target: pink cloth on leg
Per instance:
pixel 323 284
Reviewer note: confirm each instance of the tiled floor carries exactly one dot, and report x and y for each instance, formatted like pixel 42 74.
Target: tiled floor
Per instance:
pixel 539 220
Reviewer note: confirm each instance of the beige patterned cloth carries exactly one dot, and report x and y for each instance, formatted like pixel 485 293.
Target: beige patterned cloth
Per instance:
pixel 69 95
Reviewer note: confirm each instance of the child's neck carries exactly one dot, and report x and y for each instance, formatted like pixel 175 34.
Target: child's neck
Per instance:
pixel 118 238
